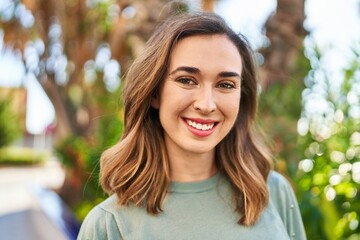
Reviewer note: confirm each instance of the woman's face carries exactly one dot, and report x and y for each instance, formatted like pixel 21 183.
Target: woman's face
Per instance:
pixel 199 98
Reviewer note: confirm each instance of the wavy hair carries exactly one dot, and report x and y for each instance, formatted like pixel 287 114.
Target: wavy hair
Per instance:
pixel 137 167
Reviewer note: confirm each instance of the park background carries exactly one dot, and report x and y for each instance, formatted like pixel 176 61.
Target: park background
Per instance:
pixel 61 71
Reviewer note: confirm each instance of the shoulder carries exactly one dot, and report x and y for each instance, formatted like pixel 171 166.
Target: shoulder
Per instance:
pixel 280 189
pixel 282 197
pixel 110 205
pixel 105 209
pixel 279 186
pixel 276 180
pixel 100 222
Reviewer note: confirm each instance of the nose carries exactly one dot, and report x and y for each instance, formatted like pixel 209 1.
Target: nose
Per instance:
pixel 205 101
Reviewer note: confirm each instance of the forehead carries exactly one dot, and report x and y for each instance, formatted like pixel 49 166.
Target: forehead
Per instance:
pixel 205 51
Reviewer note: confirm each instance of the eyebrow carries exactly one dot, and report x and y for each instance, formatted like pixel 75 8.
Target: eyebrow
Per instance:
pixel 194 70
pixel 229 74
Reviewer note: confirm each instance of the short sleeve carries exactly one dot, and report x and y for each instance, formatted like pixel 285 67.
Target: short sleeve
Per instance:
pixel 283 198
pixel 100 225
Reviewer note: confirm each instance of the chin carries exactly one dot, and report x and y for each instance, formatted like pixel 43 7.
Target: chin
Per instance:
pixel 201 150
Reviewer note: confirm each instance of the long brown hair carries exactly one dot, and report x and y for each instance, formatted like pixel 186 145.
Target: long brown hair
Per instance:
pixel 137 167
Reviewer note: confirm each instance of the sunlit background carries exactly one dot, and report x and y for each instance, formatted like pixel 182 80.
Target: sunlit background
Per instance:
pixel 311 115
pixel 334 27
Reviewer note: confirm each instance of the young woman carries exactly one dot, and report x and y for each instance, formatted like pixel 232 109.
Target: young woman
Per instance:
pixel 189 165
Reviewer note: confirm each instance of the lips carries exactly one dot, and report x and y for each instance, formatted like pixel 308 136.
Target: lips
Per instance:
pixel 200 127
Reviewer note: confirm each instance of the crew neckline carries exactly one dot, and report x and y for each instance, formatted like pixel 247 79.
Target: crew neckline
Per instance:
pixel 193 187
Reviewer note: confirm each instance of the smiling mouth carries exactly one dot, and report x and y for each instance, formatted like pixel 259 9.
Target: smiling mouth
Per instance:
pixel 200 126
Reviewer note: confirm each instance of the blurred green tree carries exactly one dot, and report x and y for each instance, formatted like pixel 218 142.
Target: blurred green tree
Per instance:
pixel 329 172
pixel 283 67
pixel 77 50
pixel 69 46
pixel 9 123
pixel 320 152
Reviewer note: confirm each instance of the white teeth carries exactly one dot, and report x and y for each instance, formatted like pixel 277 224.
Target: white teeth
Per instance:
pixel 200 126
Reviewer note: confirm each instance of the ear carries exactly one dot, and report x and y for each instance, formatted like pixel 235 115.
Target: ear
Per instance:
pixel 155 101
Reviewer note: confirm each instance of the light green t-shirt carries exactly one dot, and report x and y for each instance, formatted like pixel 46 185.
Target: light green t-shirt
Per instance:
pixel 198 210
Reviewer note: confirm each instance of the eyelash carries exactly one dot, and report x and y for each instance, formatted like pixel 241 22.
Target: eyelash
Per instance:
pixel 190 81
pixel 227 85
pixel 186 81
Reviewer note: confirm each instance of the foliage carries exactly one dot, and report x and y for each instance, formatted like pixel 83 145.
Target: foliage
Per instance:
pixel 9 123
pixel 21 156
pixel 70 45
pixel 327 139
pixel 81 156
pixel 279 110
pixel 329 174
pixel 77 51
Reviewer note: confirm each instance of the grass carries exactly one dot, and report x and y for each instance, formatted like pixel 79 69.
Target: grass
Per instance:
pixel 22 156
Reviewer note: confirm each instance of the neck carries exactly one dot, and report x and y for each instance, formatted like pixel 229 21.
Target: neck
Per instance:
pixel 192 167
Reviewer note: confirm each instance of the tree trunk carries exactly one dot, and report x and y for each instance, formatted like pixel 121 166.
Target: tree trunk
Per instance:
pixel 79 31
pixel 207 5
pixel 285 32
pixel 282 76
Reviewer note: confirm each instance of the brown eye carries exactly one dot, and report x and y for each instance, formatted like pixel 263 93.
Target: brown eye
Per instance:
pixel 226 85
pixel 186 81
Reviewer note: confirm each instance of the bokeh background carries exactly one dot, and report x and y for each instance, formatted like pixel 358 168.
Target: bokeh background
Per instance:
pixel 62 64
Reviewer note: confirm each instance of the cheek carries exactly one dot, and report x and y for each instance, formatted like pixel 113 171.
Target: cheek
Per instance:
pixel 174 98
pixel 171 105
pixel 234 111
pixel 231 106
